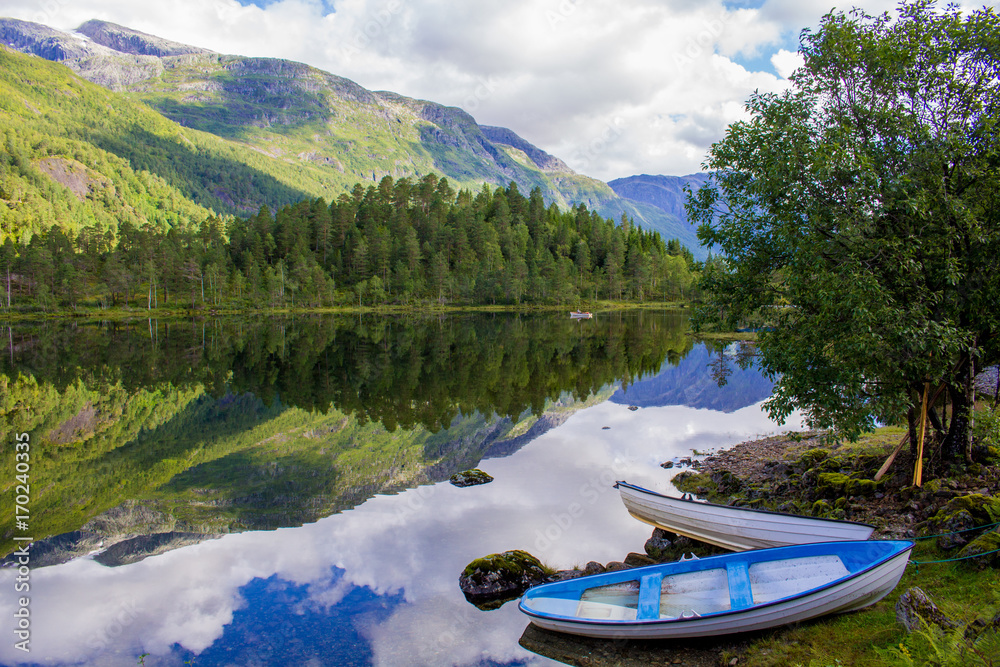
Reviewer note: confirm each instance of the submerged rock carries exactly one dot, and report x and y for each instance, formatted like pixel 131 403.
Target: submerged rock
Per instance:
pixel 470 478
pixel 915 608
pixel 490 581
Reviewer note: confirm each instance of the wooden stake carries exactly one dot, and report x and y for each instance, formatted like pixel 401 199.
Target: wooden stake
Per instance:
pixel 906 438
pixel 892 457
pixel 918 471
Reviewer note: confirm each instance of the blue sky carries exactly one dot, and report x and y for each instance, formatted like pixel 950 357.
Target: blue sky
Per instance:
pixel 613 87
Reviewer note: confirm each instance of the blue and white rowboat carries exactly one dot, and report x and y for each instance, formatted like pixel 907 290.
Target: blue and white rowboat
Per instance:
pixel 736 528
pixel 717 595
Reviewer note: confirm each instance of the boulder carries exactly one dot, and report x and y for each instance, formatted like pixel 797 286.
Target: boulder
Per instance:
pixel 953 535
pixel 470 478
pixel 638 560
pixel 915 608
pixel 615 566
pixel 986 547
pixel 497 578
pixel 657 545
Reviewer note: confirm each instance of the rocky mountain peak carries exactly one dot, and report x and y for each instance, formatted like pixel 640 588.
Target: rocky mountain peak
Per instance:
pixel 134 42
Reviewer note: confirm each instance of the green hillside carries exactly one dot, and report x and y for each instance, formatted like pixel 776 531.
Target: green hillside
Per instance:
pixel 76 154
pixel 248 132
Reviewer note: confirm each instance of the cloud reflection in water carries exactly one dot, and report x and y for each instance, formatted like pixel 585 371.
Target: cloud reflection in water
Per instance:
pixel 396 559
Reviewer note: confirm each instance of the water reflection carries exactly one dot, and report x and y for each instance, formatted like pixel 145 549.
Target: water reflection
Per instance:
pixel 684 382
pixel 377 583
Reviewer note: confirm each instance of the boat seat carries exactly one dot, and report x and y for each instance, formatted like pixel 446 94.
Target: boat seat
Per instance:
pixel 649 597
pixel 701 591
pixel 558 606
pixel 771 580
pixel 740 596
pixel 604 611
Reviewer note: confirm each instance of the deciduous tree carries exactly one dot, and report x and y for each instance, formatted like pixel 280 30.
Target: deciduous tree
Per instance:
pixel 857 216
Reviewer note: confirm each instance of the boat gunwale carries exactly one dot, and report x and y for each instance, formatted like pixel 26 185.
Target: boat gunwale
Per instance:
pixel 898 550
pixel 641 489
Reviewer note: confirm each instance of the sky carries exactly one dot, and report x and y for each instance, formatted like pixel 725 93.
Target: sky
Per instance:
pixel 613 87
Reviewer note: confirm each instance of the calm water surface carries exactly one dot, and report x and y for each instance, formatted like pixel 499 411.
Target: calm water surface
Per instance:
pixel 275 492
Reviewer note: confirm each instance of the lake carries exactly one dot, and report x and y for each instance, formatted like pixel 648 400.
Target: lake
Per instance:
pixel 274 491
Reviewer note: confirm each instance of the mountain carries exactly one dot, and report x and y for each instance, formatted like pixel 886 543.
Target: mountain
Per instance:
pixel 667 195
pixel 686 383
pixel 311 133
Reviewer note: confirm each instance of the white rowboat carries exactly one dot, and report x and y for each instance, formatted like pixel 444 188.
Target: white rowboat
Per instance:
pixel 735 528
pixel 726 594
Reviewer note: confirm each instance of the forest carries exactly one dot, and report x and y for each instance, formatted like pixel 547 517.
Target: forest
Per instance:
pixel 400 242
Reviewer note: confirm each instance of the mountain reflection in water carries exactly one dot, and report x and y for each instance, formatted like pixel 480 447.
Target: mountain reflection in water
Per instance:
pixel 227 441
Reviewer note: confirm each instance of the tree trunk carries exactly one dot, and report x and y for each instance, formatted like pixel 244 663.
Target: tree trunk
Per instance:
pixel 970 391
pixel 954 445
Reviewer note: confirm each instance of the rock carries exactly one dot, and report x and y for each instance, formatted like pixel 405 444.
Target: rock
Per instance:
pixel 985 547
pixel 633 408
pixel 726 482
pixel 563 575
pixel 831 484
pixel 914 605
pixel 593 567
pixel 657 544
pixel 470 478
pixel 615 566
pixel 667 464
pixel 949 542
pixel 983 508
pixel 638 560
pixel 953 528
pixel 498 578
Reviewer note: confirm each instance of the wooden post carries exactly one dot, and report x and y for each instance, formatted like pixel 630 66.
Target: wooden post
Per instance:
pixel 918 471
pixel 895 452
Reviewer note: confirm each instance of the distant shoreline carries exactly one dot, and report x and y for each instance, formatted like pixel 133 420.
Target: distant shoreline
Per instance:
pixel 120 313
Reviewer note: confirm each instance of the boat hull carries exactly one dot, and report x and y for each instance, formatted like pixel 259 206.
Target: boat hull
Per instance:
pixel 734 528
pixel 859 588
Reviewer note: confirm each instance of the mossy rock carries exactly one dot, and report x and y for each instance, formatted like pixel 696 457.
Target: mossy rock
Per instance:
pixel 862 487
pixel 821 508
pixel 986 547
pixel 832 484
pixel 689 482
pixel 811 457
pixel 933 486
pixel 470 478
pixel 984 509
pixel 726 482
pixel 490 581
pixel 833 464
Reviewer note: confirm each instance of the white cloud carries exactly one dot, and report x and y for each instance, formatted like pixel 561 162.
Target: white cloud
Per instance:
pixel 786 62
pixel 557 72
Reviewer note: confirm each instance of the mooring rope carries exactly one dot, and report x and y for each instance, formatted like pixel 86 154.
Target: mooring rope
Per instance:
pixel 950 560
pixel 930 537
